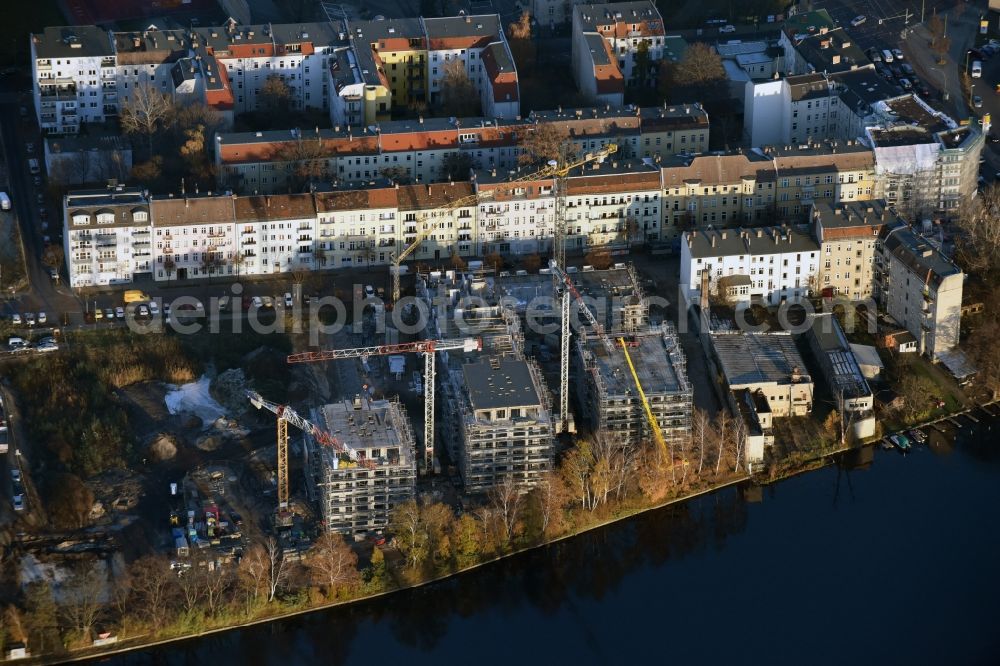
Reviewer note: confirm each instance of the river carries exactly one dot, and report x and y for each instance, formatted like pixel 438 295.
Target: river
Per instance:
pixel 882 558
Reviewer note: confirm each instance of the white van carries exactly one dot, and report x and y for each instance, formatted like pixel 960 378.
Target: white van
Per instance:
pixel 33 167
pixel 977 69
pixel 886 55
pixel 4 201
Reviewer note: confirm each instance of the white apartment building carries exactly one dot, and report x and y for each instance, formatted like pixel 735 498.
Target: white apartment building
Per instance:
pixel 797 109
pixel 106 238
pixel 193 237
pixel 516 218
pixel 613 205
pixel 74 74
pixel 357 227
pixel 277 234
pixel 921 289
pixel 606 41
pixel 775 264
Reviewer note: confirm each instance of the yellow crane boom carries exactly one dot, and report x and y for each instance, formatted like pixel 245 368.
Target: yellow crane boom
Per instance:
pixel 653 423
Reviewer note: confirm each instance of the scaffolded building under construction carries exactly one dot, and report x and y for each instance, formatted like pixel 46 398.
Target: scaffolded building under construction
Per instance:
pixel 495 408
pixel 356 498
pixel 608 395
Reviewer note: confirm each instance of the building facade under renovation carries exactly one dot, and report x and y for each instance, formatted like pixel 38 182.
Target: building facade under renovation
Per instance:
pixel 357 498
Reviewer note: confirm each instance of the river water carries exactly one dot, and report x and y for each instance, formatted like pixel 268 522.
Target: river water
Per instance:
pixel 882 558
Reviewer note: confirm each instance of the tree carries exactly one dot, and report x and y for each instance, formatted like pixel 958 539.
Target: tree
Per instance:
pixel 466 541
pixel 40 618
pixel 506 500
pixel 940 41
pixel 169 265
pixel 70 501
pixel 522 47
pixel 977 245
pixel 458 94
pixel 146 111
pixel 702 433
pixel 494 261
pixel 306 161
pixel 332 564
pixel 82 601
pixel 411 538
pixel 532 263
pixel 275 95
pixel 457 262
pixel 545 142
pixel 375 574
pixel 456 166
pixel 151 581
pixel 698 75
pixel 148 172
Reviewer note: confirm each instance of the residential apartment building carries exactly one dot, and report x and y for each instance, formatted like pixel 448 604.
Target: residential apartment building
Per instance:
pixel 613 205
pixel 776 264
pixel 356 71
pixel 513 218
pixel 803 110
pixel 825 50
pixel 106 239
pixel 606 46
pixel 921 289
pixel 506 424
pixel 828 171
pixel 422 150
pixel 925 162
pixel 357 227
pixel 194 236
pixel 72 69
pixel 359 498
pixel 848 234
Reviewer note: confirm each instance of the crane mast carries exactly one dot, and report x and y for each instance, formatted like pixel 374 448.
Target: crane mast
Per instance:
pixel 428 348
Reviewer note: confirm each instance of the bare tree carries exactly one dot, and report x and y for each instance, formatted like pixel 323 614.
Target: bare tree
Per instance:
pixel 458 95
pixel 406 526
pixel 978 244
pixel 702 433
pixel 253 574
pixel 506 500
pixel 150 581
pixel 544 142
pixel 82 604
pixel 275 94
pixel 306 161
pixel 146 111
pixel 522 48
pixel 277 571
pixel 332 564
pixel 722 436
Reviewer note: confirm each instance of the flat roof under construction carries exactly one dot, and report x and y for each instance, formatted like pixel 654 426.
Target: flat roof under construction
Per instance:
pixel 500 383
pixel 653 364
pixel 367 425
pixel 752 358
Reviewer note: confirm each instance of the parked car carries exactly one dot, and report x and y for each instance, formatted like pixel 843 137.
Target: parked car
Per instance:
pixel 15 319
pixel 109 313
pixel 42 318
pixel 142 310
pixel 906 84
pixel 30 147
pixel 15 475
pixel 29 318
pixel 288 300
pixel 37 180
pixel 53 273
pixel 369 291
pixel 18 502
pixel 977 101
pixel 257 302
pixel 120 312
pixel 268 302
pixel 154 309
pixel 47 345
pixel 727 29
pixel 858 20
pixel 17 344
pixel 98 314
pixel 897 54
pixel 907 69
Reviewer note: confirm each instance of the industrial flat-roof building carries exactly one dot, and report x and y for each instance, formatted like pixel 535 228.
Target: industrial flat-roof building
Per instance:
pixel 355 498
pixel 843 374
pixel 768 363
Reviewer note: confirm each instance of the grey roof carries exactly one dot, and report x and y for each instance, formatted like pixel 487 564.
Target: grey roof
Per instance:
pixel 862 88
pixel 759 241
pixel 510 384
pixel 919 256
pixel 594 15
pixel 463 26
pixel 911 110
pixel 867 355
pixel 848 214
pixel 82 41
pixel 834 51
pixel 394 28
pixel 754 358
pixel 106 197
pixel 738 48
pixel 828 338
pixel 182 70
pixel 598 53
pixel 807 86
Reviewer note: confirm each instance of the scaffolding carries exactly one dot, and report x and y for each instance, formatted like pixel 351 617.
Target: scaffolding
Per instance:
pixel 609 398
pixel 356 499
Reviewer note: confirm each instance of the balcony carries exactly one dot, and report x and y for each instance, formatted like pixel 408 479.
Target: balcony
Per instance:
pixel 58 95
pixel 43 65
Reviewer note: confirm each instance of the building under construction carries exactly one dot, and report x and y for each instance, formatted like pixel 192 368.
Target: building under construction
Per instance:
pixel 357 498
pixel 609 398
pixel 495 408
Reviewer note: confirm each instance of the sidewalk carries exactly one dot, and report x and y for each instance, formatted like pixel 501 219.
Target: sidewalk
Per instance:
pixel 962 27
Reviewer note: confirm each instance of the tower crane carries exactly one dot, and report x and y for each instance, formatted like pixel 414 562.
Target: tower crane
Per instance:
pixel 288 415
pixel 654 425
pixel 428 348
pixel 552 169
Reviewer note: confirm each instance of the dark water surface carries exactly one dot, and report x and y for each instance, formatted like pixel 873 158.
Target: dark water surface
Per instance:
pixel 881 559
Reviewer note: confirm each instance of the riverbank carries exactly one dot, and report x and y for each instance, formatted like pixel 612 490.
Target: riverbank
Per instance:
pixel 137 643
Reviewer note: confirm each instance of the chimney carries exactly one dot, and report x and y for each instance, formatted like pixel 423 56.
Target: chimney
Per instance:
pixel 760 233
pixel 713 240
pixel 723 235
pixel 267 200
